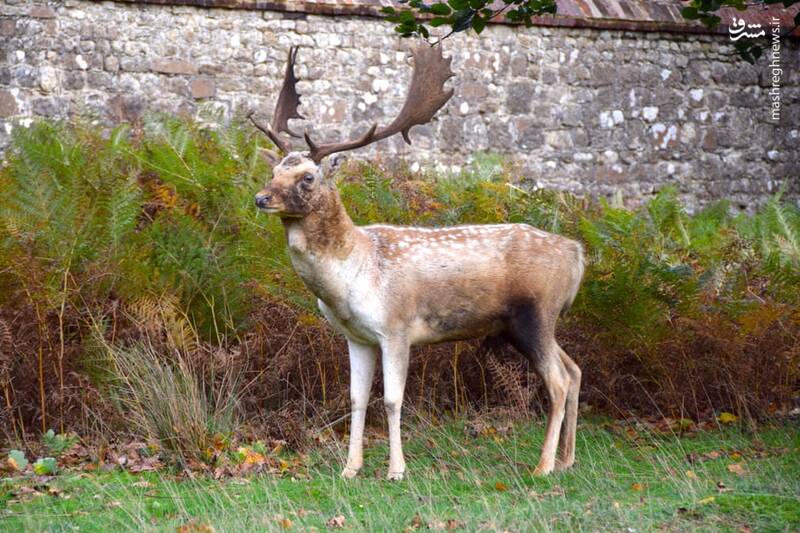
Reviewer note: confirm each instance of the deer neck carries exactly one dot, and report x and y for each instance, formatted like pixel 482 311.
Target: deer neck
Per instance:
pixel 326 232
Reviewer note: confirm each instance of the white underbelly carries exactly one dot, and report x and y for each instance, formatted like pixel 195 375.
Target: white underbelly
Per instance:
pixel 357 326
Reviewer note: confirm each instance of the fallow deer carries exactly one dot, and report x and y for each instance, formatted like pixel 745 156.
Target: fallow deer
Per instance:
pixel 386 288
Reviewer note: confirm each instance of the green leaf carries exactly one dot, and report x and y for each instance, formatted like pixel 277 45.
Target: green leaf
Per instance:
pixel 478 24
pixel 463 20
pixel 440 9
pixel 689 13
pixel 439 21
pixel 45 466
pixel 407 16
pixel 17 461
pixel 710 21
pixel 458 5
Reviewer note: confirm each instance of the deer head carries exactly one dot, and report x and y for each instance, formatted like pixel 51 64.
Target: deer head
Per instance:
pixel 298 186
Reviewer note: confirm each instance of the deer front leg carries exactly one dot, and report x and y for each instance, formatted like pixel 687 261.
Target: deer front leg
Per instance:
pixel 394 361
pixel 362 368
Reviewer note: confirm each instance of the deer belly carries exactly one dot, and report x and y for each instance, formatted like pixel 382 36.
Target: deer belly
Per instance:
pixel 464 320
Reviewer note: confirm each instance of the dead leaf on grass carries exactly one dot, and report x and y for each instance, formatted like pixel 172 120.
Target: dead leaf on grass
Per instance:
pixel 737 468
pixel 337 521
pixel 416 522
pixel 445 525
pixel 555 492
pixel 195 527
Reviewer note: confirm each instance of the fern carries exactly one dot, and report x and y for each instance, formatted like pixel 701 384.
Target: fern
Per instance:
pixel 510 377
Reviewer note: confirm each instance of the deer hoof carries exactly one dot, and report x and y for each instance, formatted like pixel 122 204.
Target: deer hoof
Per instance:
pixel 349 473
pixel 542 470
pixel 395 476
pixel 562 466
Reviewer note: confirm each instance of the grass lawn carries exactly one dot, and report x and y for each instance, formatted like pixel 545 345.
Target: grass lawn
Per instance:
pixel 627 479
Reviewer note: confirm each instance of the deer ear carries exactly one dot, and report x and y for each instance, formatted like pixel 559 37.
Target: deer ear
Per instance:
pixel 334 162
pixel 271 157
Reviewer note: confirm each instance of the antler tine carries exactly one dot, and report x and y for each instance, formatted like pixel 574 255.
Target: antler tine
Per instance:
pixel 426 95
pixel 319 152
pixel 267 130
pixel 285 107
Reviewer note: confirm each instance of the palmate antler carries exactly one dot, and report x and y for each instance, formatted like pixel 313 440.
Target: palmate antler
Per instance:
pixel 285 108
pixel 426 95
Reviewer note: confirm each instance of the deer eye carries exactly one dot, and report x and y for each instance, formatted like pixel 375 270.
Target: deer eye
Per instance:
pixel 308 178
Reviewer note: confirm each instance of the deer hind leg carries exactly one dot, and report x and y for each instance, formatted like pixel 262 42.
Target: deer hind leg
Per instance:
pixel 534 338
pixel 556 380
pixel 566 443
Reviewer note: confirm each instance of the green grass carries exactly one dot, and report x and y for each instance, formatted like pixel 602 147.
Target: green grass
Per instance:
pixel 626 480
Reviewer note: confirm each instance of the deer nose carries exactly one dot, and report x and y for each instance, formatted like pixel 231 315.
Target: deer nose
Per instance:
pixel 262 199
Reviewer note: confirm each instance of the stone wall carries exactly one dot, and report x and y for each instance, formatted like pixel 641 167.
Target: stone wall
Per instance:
pixel 586 110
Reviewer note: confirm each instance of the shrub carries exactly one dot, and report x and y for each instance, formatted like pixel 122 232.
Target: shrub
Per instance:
pixel 150 236
pixel 172 401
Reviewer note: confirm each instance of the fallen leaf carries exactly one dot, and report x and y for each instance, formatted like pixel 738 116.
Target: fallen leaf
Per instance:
pixel 690 474
pixel 706 501
pixel 722 488
pixel 16 460
pixel 194 527
pixel 737 468
pixel 285 523
pixel 337 521
pixel 500 486
pixel 727 418
pixel 637 486
pixel 555 492
pixel 416 522
pixel 454 524
pixel 46 466
pixel 694 458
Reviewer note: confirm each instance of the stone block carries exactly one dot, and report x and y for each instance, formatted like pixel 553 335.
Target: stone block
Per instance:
pixel 202 88
pixel 8 104
pixel 42 12
pixel 174 66
pixel 520 95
